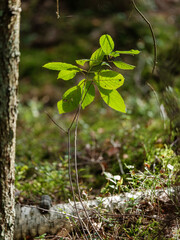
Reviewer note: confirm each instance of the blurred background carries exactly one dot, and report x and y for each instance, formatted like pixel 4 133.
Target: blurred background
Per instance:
pixel 108 141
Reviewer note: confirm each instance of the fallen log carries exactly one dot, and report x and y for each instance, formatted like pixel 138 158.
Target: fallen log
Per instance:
pixel 30 222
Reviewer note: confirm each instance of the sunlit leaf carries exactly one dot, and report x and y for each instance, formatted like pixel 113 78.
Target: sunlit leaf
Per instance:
pixel 114 54
pixel 106 64
pixel 113 99
pixel 120 182
pixel 96 57
pixel 123 65
pixel 81 62
pixel 87 92
pixel 106 43
pixel 67 74
pixel 58 66
pixel 70 100
pixel 131 52
pixel 109 79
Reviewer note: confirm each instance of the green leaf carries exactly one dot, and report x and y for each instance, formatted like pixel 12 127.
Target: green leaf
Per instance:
pixel 106 64
pixel 114 54
pixel 131 52
pixel 109 79
pixel 108 175
pixel 70 100
pixel 106 43
pixel 81 62
pixel 67 74
pixel 123 65
pixel 58 66
pixel 88 92
pixel 96 57
pixel 113 99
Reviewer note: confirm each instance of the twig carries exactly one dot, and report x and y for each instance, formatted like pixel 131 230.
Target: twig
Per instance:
pixel 152 33
pixel 71 183
pixel 76 117
pixel 56 123
pixel 75 159
pixel 70 174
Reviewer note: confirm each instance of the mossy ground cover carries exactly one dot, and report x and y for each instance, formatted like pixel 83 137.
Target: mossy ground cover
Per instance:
pixel 140 141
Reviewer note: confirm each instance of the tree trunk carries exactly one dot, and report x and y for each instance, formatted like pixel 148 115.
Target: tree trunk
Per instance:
pixel 9 61
pixel 30 222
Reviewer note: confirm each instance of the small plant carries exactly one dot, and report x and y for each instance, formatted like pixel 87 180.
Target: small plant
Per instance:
pixel 113 184
pixel 138 230
pixel 99 73
pixel 43 237
pixel 46 178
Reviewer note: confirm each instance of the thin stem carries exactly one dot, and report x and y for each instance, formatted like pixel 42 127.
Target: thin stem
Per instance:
pixel 64 131
pixel 70 175
pixel 75 116
pixel 152 33
pixel 75 161
pixel 71 184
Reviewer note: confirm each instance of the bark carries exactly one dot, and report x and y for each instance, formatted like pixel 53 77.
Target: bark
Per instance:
pixel 9 60
pixel 30 222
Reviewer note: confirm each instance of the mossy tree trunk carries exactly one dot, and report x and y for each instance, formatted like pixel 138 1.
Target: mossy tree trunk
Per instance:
pixel 9 61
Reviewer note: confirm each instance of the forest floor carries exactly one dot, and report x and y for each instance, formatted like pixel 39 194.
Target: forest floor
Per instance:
pixel 116 152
